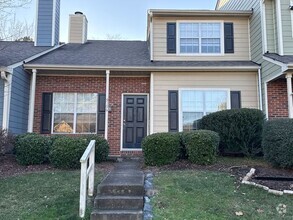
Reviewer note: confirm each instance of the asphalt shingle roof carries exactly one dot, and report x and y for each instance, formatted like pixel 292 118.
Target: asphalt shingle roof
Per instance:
pixel 283 59
pixel 119 53
pixel 12 52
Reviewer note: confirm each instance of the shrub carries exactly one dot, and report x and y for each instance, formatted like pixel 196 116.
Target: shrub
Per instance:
pixel 201 146
pixel 102 147
pixel 278 142
pixel 6 142
pixel 161 148
pixel 240 130
pixel 67 151
pixel 32 149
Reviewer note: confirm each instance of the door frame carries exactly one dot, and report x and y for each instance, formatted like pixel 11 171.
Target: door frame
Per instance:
pixel 122 114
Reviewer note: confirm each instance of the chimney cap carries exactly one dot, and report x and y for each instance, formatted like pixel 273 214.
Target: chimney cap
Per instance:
pixel 78 13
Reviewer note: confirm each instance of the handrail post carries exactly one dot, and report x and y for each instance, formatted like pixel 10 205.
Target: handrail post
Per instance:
pixel 92 173
pixel 82 198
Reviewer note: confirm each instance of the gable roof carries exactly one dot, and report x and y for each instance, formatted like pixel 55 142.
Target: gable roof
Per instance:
pixel 122 55
pixel 286 59
pixel 12 52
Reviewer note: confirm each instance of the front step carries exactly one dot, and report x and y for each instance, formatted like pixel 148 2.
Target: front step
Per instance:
pixel 117 215
pixel 119 202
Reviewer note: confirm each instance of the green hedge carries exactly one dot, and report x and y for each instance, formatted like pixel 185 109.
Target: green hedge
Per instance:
pixel 278 142
pixel 67 151
pixel 240 130
pixel 161 148
pixel 201 146
pixel 102 147
pixel 32 149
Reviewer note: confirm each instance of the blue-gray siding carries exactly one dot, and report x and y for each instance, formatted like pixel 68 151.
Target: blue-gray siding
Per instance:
pixel 19 103
pixel 46 11
pixel 1 101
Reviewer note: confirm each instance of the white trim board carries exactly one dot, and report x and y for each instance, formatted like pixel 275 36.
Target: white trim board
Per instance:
pixel 122 112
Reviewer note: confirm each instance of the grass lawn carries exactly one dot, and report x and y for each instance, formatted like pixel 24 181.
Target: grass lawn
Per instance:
pixel 44 195
pixel 213 195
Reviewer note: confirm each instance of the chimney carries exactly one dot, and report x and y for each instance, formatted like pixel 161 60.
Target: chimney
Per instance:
pixel 77 28
pixel 47 23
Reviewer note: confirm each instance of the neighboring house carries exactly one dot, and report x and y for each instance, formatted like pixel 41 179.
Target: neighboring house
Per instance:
pixel 271 37
pixel 193 63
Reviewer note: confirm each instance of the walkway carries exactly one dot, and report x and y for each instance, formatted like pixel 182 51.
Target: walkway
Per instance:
pixel 120 195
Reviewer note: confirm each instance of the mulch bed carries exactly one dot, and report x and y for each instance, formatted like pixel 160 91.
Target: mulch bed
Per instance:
pixel 238 171
pixel 10 167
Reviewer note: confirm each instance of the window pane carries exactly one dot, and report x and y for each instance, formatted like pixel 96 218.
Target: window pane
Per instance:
pixel 63 123
pixel 189 45
pixel 192 101
pixel 190 120
pixel 86 123
pixel 86 103
pixel 215 101
pixel 212 45
pixel 63 102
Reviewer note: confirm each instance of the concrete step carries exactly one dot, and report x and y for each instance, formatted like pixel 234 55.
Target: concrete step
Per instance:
pixel 116 215
pixel 119 202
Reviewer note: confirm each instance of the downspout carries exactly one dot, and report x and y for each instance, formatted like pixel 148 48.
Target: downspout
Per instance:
pixel 6 99
pixel 32 101
pixel 152 105
pixel 260 89
pixel 107 103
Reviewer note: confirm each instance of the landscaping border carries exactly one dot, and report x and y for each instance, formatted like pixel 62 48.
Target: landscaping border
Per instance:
pixel 275 192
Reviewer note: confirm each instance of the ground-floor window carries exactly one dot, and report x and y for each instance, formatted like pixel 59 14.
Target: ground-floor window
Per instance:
pixel 75 112
pixel 195 103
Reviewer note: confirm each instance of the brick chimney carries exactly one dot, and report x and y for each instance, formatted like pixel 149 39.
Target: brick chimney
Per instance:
pixel 47 23
pixel 77 28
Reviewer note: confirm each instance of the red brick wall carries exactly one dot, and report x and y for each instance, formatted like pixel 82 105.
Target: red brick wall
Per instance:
pixel 277 99
pixel 118 85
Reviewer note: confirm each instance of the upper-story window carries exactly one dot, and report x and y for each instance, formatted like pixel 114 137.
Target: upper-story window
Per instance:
pixel 200 38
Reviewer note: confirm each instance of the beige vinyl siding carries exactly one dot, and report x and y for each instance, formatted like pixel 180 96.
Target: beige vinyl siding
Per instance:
pixel 241 40
pixel 271 26
pixel 287 27
pixel 246 82
pixel 77 34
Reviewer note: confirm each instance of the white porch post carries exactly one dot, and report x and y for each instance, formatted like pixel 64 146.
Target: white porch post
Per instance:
pixel 289 92
pixel 32 101
pixel 107 103
pixel 6 99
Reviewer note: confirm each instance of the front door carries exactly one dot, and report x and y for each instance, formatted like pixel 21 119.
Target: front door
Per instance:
pixel 134 120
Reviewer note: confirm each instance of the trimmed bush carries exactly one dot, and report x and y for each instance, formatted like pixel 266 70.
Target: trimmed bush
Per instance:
pixel 6 142
pixel 102 147
pixel 32 149
pixel 278 142
pixel 161 148
pixel 240 130
pixel 67 151
pixel 201 146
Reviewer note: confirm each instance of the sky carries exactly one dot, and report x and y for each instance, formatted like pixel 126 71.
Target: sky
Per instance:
pixel 124 18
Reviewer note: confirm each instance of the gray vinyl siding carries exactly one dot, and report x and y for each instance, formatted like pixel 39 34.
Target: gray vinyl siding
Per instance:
pixel 1 101
pixel 287 27
pixel 271 26
pixel 45 23
pixel 19 103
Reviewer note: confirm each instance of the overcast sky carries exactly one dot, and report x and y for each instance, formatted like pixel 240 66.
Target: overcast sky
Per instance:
pixel 126 18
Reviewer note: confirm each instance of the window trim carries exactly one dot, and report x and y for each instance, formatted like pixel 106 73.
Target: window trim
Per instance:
pixel 222 40
pixel 180 90
pixel 74 114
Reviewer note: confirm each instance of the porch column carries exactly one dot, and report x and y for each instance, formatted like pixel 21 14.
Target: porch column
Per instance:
pixel 32 101
pixel 6 77
pixel 289 93
pixel 107 103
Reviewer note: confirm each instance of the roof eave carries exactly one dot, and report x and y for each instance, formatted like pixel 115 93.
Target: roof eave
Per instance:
pixel 210 13
pixel 141 68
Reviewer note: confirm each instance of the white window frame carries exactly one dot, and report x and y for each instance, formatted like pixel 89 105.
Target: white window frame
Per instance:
pixel 222 40
pixel 199 89
pixel 74 114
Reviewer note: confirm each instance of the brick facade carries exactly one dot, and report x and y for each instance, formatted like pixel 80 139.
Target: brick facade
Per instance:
pixel 118 85
pixel 277 99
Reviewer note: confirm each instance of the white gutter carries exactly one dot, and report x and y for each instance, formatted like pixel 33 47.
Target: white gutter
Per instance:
pixel 279 28
pixel 107 103
pixel 264 26
pixel 6 99
pixel 260 90
pixel 32 101
pixel 142 68
pixel 151 37
pixel 289 94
